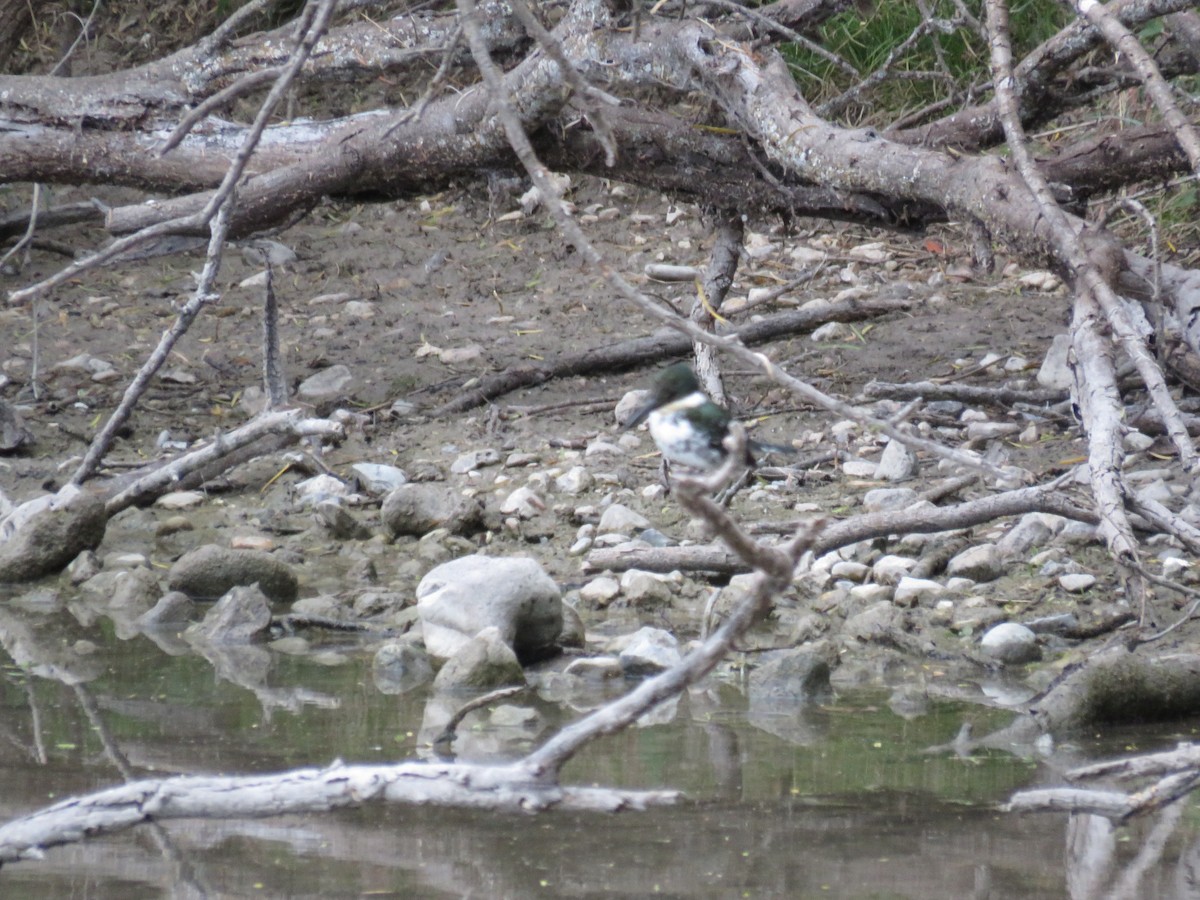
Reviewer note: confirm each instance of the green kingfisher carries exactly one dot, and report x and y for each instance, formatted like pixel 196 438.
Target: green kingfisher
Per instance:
pixel 686 425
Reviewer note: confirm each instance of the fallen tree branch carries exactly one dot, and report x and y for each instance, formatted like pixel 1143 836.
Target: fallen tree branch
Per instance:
pixel 496 788
pixel 661 345
pixel 966 393
pixel 842 533
pixel 1167 762
pixel 1112 804
pixel 1036 81
pixel 1125 43
pixel 710 294
pixel 164 477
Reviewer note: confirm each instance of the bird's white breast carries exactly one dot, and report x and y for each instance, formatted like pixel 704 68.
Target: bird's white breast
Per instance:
pixel 677 438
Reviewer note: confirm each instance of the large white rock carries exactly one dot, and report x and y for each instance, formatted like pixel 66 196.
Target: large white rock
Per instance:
pixel 979 563
pixel 1011 643
pixel 897 463
pixel 1056 368
pixel 460 598
pixel 911 591
pixel 650 651
pixel 621 519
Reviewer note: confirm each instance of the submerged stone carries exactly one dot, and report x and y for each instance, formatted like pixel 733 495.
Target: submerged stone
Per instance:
pixel 649 651
pixel 241 616
pixel 210 571
pixel 484 662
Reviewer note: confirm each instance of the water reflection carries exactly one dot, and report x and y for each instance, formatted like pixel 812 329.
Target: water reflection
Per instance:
pixel 840 800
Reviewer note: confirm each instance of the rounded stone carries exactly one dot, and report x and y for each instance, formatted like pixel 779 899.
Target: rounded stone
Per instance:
pixel 458 599
pixel 484 662
pixel 420 508
pixel 43 536
pixel 1011 643
pixel 1076 583
pixel 209 572
pixel 979 563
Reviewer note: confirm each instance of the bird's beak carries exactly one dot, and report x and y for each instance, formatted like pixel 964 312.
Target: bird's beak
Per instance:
pixel 641 415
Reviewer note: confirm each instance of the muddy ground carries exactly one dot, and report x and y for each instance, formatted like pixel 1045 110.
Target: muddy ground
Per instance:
pixel 418 298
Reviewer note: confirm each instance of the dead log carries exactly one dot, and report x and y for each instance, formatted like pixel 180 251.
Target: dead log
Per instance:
pixel 661 345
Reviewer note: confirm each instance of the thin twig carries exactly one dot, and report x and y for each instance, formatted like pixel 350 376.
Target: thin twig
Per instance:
pixel 832 107
pixel 1090 284
pixel 788 34
pixel 1096 390
pixel 470 706
pixel 588 95
pixel 217 212
pixel 84 26
pixel 417 110
pixel 244 85
pixel 35 203
pixel 274 381
pixel 223 33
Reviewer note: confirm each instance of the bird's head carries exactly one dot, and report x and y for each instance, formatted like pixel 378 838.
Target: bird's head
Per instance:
pixel 673 383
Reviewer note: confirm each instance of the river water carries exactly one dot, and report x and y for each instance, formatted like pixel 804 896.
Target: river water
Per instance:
pixel 841 800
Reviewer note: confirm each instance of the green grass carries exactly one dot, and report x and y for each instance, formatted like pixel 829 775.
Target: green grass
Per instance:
pixel 865 41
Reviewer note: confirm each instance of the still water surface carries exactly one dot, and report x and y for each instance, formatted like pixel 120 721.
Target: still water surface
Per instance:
pixel 840 801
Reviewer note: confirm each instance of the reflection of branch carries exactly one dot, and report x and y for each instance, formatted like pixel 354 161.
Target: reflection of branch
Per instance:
pixel 30 229
pixel 1113 804
pixel 773 575
pixel 246 666
pixel 35 718
pixel 470 706
pixel 114 753
pixel 1148 855
pixel 527 785
pixel 1178 773
pixel 187 883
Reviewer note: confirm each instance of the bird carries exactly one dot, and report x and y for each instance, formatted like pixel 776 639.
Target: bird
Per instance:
pixel 687 426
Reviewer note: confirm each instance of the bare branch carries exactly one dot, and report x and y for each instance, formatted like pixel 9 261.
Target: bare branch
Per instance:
pixel 842 533
pixel 161 478
pixel 339 786
pixel 711 292
pixel 1124 42
pixel 220 206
